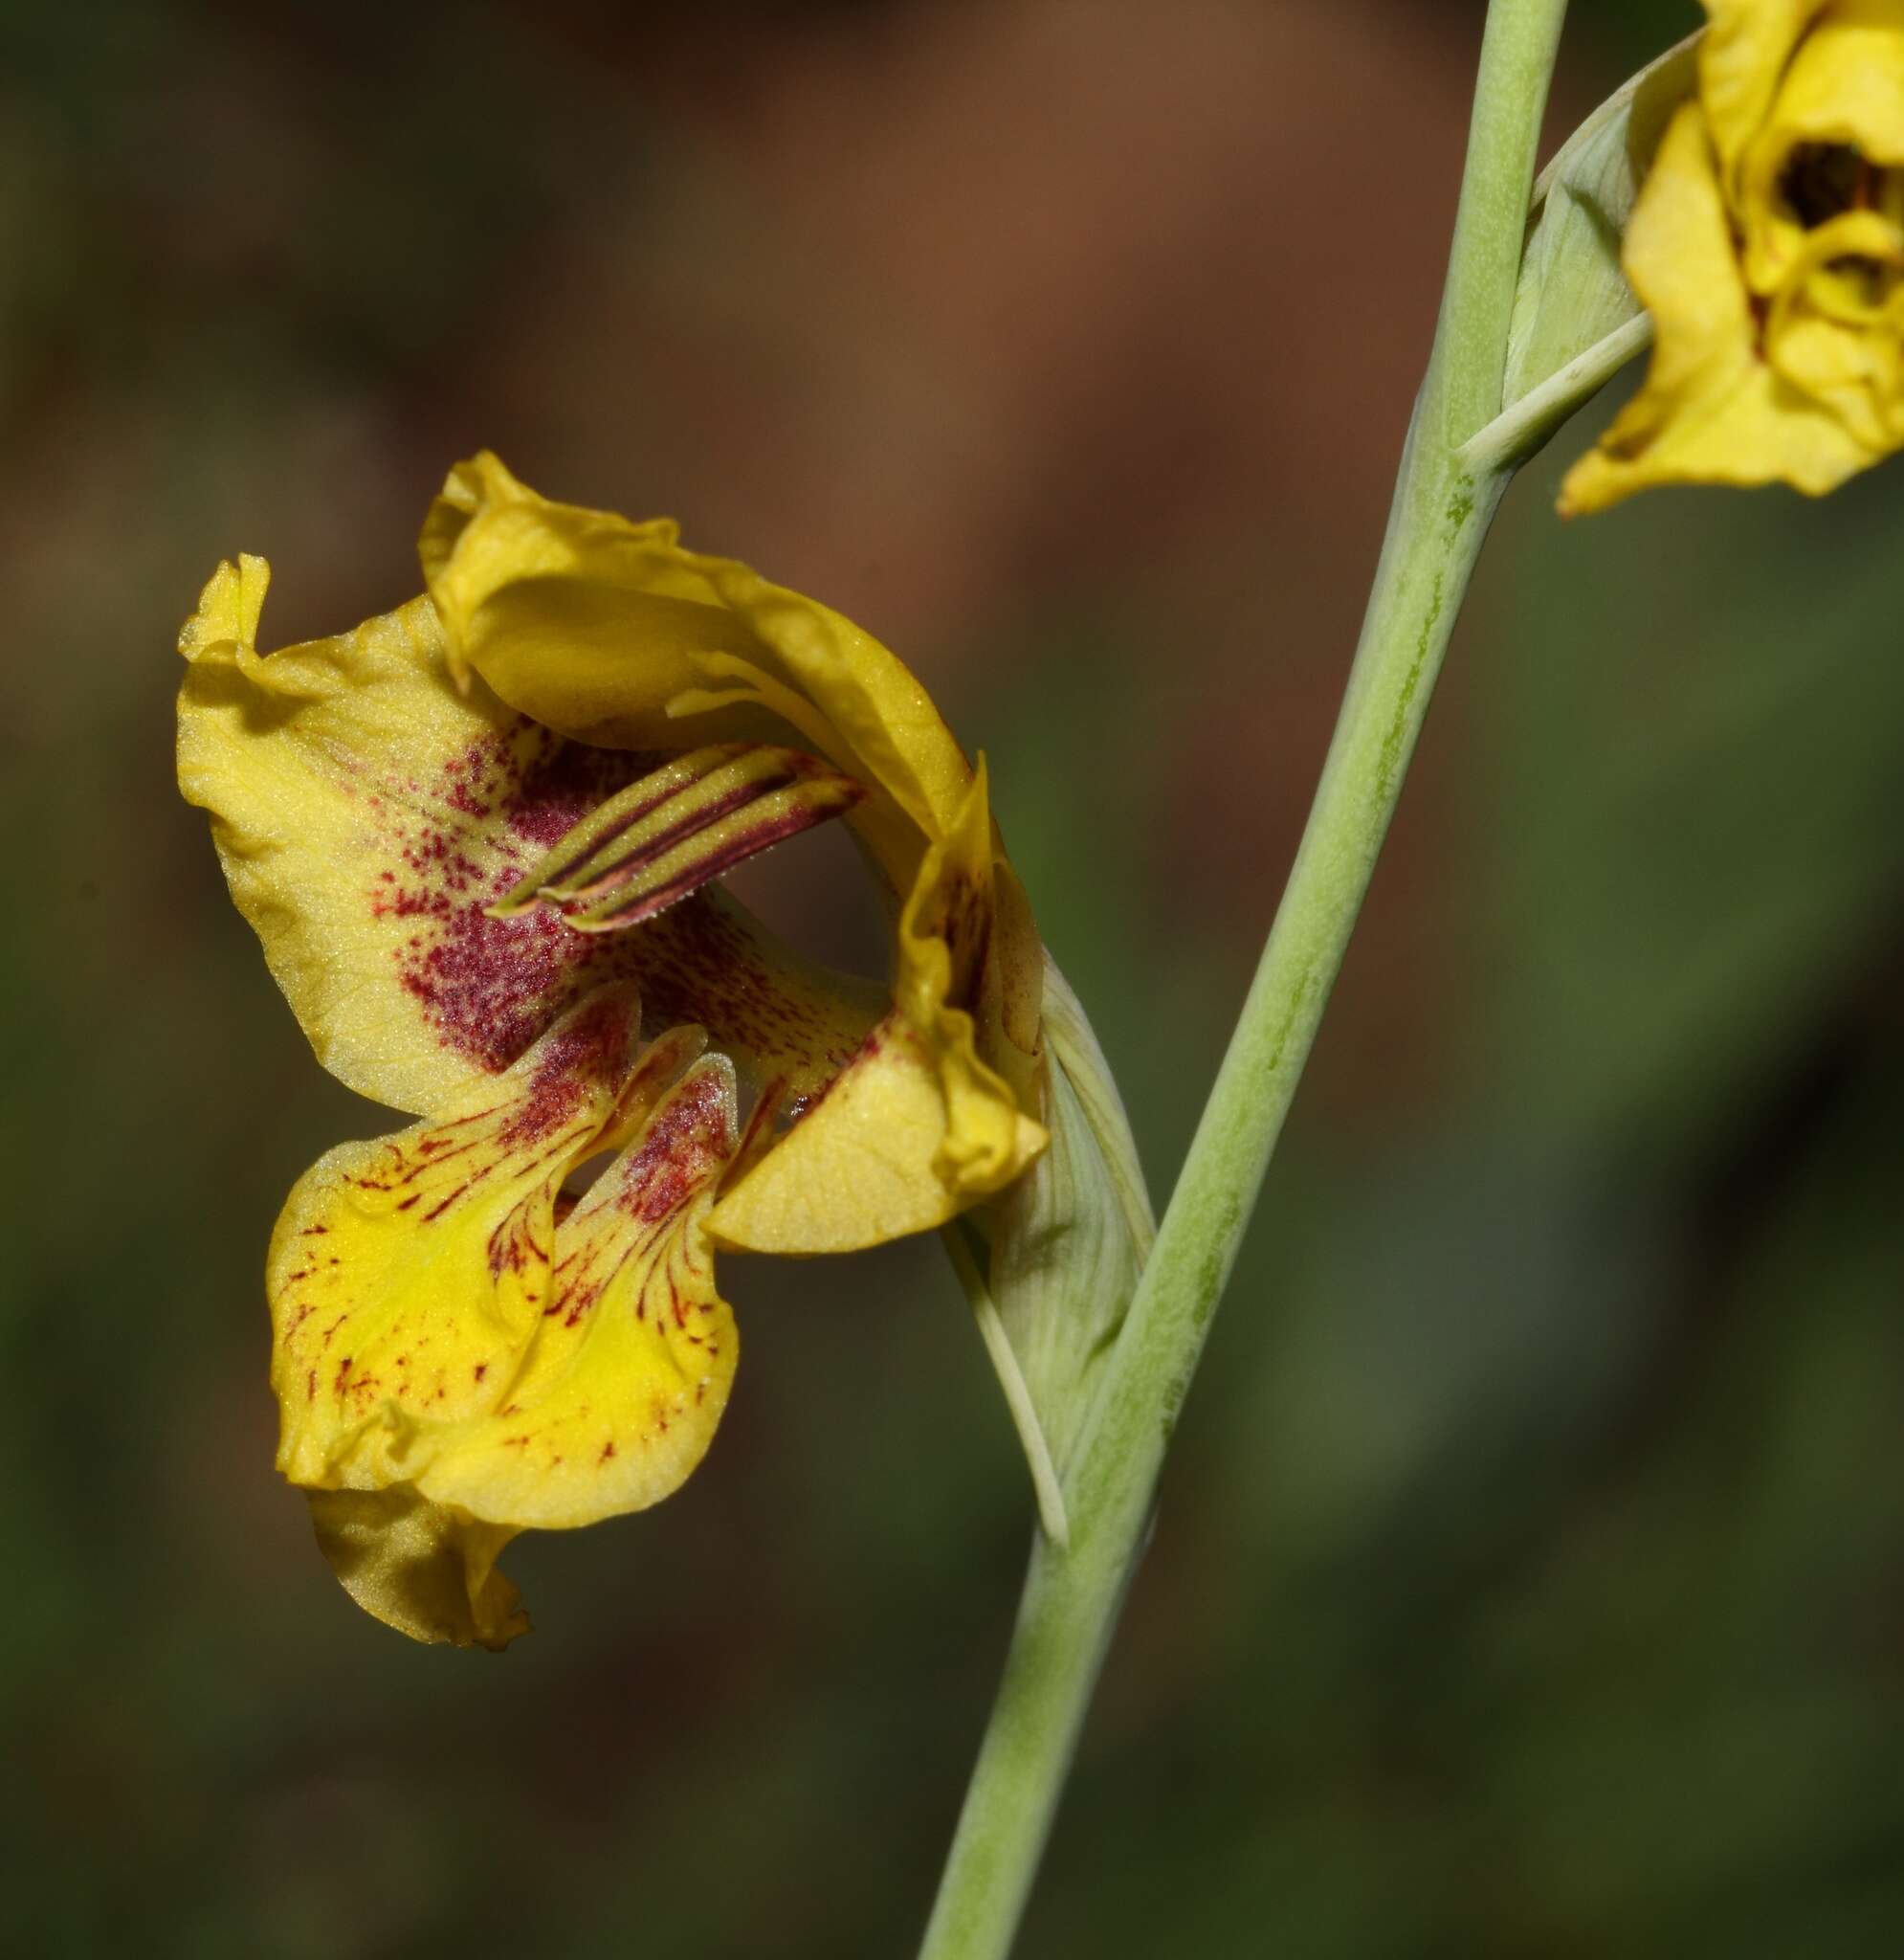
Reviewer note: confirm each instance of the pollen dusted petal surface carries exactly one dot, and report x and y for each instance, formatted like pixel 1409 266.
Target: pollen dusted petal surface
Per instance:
pixel 407 1273
pixel 366 814
pixel 630 1368
pixel 918 1127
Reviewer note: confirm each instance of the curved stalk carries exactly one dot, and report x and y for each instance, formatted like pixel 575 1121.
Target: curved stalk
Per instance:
pixel 1437 523
pixel 1516 432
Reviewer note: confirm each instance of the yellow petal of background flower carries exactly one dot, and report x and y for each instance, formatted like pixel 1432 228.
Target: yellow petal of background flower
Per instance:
pixel 1829 333
pixel 407 1273
pixel 427 1569
pixel 1742 59
pixel 918 1127
pixel 366 814
pixel 628 1371
pixel 1710 410
pixel 1845 86
pixel 612 632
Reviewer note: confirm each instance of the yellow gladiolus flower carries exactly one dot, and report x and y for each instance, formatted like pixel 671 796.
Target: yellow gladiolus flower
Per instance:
pixel 1768 245
pixel 480 839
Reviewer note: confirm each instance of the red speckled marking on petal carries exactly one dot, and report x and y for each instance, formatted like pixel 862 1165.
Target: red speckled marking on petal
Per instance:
pixel 686 1145
pixel 490 987
pixel 448 1229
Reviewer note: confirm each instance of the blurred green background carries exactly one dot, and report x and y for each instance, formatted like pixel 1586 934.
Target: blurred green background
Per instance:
pixel 1530 1578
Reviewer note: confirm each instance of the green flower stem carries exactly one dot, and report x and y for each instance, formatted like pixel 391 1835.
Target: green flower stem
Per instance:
pixel 1437 526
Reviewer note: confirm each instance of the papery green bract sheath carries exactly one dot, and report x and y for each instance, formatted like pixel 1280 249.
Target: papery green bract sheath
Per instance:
pixel 1064 1248
pixel 1573 293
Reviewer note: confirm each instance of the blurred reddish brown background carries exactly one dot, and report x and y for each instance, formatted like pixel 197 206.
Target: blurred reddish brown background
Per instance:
pixel 1528 1579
